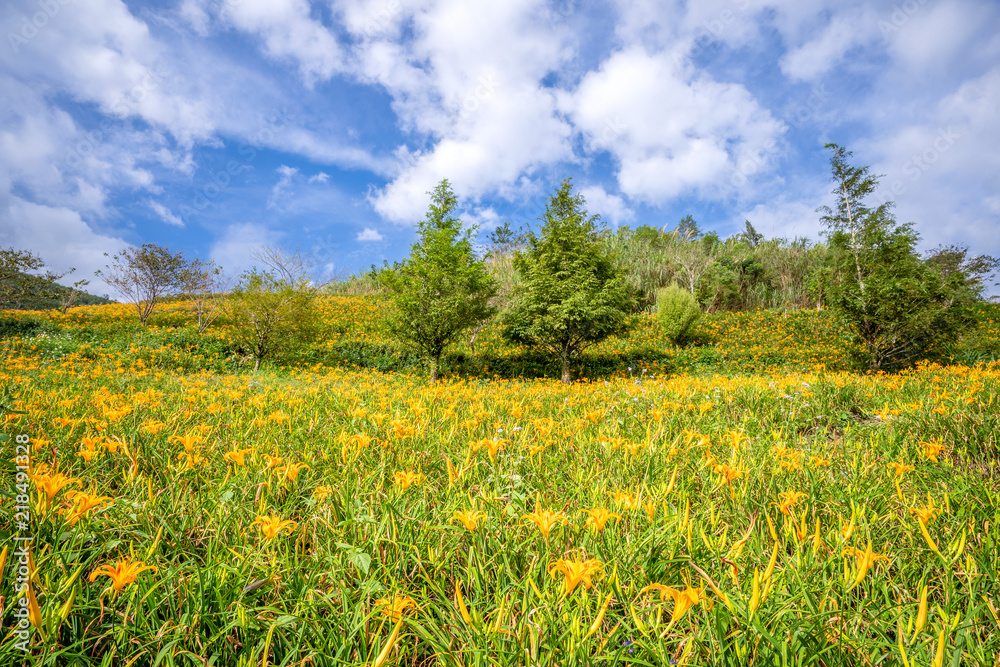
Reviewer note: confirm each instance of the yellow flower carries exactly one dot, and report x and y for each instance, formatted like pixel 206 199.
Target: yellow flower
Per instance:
pixel 291 471
pixel 544 519
pixel 788 500
pixel 865 559
pixel 576 572
pixel 81 503
pixel 395 607
pixel 320 493
pixel 727 474
pixel 189 441
pixel 190 459
pixel 48 485
pixel 87 454
pixel 899 468
pixel 406 479
pixel 627 500
pixel 597 517
pixel 931 450
pixel 925 514
pixel 237 456
pixel 683 600
pixel 122 573
pixel 469 518
pixel 272 461
pixel 271 526
pixel 278 417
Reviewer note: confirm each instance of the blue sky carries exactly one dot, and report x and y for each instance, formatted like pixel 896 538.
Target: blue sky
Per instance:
pixel 217 126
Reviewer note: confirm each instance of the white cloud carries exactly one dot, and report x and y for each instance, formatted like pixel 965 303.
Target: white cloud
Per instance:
pixel 610 207
pixel 470 80
pixel 814 58
pixel 289 31
pixel 60 237
pixel 321 177
pixel 165 214
pixel 281 189
pixel 369 234
pixel 694 148
pixel 941 170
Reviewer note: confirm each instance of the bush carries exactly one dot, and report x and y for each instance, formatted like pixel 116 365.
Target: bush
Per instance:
pixel 19 326
pixel 677 312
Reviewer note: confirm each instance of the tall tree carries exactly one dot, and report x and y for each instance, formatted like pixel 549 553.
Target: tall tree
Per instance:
pixel 896 306
pixel 145 276
pixel 572 293
pixel 442 288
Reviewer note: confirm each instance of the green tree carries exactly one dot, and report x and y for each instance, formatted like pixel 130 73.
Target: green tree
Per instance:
pixel 442 288
pixel 20 284
pixel 270 313
pixel 896 306
pixel 145 276
pixel 572 293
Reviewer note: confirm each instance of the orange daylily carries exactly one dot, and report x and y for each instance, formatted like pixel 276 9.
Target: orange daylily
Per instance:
pixel 271 526
pixel 469 518
pixel 122 573
pixel 395 607
pixel 406 479
pixel 788 500
pixel 866 559
pixel 544 519
pixel 598 516
pixel 577 572
pixel 237 456
pixel 683 600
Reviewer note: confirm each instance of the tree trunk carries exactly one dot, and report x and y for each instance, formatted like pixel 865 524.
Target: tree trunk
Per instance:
pixel 434 369
pixel 566 377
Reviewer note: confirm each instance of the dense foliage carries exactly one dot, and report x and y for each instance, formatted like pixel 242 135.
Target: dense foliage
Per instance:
pixel 677 312
pixel 571 293
pixel 442 288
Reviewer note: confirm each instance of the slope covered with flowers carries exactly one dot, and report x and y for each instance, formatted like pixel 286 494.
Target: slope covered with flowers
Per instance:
pixel 186 513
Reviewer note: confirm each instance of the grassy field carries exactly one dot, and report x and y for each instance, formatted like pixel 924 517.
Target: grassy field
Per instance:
pixel 744 501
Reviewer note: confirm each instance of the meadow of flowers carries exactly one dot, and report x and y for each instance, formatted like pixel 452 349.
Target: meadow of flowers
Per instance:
pixel 190 513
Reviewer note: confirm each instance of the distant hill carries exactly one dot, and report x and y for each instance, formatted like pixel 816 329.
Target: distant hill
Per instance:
pixel 50 295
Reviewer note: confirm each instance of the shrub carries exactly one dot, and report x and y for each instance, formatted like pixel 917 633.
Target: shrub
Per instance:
pixel 677 312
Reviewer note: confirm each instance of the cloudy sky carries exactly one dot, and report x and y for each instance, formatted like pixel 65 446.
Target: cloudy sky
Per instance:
pixel 215 126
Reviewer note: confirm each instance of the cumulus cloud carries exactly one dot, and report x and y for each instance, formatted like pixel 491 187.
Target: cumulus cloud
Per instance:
pixel 610 207
pixel 369 234
pixel 289 30
pixel 321 177
pixel 695 148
